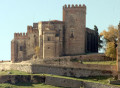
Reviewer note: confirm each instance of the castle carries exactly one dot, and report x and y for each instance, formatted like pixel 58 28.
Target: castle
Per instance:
pixel 56 38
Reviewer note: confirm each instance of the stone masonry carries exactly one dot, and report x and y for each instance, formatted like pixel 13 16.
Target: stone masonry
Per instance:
pixel 118 53
pixel 56 38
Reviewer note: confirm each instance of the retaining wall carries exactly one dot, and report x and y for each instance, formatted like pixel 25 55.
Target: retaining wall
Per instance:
pixel 54 81
pixel 63 82
pixel 70 71
pixel 98 85
pixel 75 83
pixel 87 57
pixel 75 70
pixel 16 66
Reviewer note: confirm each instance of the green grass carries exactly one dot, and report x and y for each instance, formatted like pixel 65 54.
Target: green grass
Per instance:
pixel 27 85
pixel 101 62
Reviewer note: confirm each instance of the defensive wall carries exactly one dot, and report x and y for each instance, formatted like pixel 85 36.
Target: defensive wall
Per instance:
pixel 54 81
pixel 86 57
pixel 73 70
pixel 4 61
pixel 30 30
pixel 82 71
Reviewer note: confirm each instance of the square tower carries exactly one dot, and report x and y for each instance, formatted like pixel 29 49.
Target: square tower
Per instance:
pixel 74 18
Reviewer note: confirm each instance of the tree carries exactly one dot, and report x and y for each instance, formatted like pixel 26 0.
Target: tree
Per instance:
pixel 37 51
pixel 110 37
pixel 111 50
pixel 99 38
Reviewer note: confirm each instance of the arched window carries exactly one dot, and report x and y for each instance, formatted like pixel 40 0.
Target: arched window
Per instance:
pixel 72 34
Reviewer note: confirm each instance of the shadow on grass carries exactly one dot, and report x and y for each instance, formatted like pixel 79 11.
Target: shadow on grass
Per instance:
pixel 31 85
pixel 98 78
pixel 24 84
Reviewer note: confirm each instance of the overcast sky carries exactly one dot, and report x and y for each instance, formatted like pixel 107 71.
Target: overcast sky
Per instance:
pixel 15 15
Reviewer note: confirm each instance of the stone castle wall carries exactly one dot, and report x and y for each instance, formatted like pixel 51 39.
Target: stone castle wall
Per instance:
pixel 51 38
pixel 92 38
pixel 23 45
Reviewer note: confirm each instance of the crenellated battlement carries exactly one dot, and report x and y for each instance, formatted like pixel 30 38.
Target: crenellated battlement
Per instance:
pixel 30 29
pixel 20 35
pixel 74 6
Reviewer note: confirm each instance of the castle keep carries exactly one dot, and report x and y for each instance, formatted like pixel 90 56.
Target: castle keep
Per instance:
pixel 56 38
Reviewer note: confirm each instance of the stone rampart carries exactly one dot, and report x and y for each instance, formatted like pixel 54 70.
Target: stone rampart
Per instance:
pixel 22 67
pixel 94 66
pixel 75 83
pixel 70 71
pixel 81 70
pixel 98 85
pixel 88 57
pixel 4 61
pixel 5 66
pixel 63 82
pixel 54 81
pixel 16 66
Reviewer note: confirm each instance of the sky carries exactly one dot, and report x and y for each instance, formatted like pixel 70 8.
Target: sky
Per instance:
pixel 15 15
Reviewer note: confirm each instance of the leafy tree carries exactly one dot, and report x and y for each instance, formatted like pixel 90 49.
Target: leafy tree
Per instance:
pixel 110 37
pixel 37 50
pixel 111 50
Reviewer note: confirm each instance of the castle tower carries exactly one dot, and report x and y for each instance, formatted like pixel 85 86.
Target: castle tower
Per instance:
pixel 75 26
